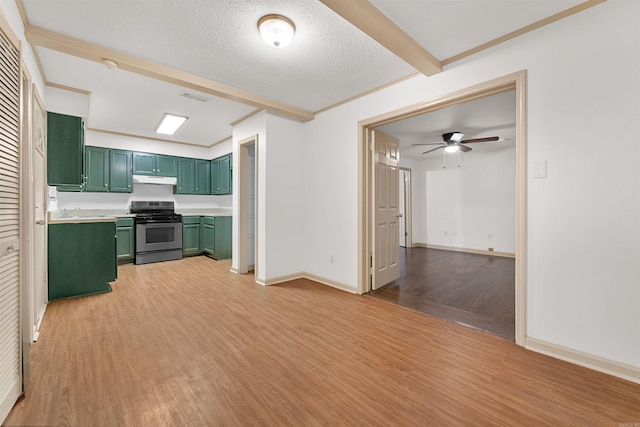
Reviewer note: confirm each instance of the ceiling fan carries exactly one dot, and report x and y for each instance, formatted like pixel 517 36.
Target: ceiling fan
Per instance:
pixel 453 142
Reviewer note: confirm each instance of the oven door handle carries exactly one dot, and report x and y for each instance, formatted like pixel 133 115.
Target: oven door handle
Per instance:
pixel 159 221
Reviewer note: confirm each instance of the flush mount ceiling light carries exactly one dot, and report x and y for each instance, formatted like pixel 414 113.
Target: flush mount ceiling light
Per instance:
pixel 276 30
pixel 170 124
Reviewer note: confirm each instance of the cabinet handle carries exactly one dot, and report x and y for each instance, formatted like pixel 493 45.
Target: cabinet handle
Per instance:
pixel 128 186
pixel 106 185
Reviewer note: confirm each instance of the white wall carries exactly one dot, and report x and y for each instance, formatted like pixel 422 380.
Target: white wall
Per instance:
pixel 280 240
pixel 253 126
pixel 583 220
pixel 12 15
pixel 461 206
pixel 286 242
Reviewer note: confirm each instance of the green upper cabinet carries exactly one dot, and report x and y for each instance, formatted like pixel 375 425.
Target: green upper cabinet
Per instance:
pixel 154 164
pixel 186 176
pixel 166 165
pixel 65 151
pixel 97 161
pixel 203 177
pixel 120 171
pixel 144 163
pixel 221 175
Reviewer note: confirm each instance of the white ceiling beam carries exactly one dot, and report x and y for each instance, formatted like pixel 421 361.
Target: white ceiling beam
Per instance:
pixel 376 25
pixel 82 49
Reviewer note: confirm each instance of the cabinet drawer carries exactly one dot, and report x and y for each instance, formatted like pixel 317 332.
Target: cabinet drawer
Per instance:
pixel 191 220
pixel 124 222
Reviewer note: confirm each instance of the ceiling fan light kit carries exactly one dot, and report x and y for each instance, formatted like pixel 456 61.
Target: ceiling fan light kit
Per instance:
pixel 453 142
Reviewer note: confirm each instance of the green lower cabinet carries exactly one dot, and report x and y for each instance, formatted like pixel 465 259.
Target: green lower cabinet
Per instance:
pixel 208 235
pixel 222 241
pixel 82 259
pixel 191 235
pixel 125 237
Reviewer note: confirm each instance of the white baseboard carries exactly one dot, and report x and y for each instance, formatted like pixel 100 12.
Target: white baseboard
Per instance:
pixel 466 250
pixel 36 327
pixel 309 276
pixel 610 367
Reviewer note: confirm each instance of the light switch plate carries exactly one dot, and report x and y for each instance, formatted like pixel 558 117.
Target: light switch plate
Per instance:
pixel 540 169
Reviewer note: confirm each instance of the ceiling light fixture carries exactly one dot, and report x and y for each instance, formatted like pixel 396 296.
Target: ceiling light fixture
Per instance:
pixel 276 30
pixel 456 136
pixel 170 124
pixel 110 63
pixel 451 148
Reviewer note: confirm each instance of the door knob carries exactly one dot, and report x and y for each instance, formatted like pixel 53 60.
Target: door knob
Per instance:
pixel 40 222
pixel 399 215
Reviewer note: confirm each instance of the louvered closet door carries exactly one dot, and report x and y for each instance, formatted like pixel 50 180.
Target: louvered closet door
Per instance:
pixel 10 363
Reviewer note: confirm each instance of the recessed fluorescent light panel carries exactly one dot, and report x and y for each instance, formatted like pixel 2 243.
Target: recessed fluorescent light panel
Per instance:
pixel 170 124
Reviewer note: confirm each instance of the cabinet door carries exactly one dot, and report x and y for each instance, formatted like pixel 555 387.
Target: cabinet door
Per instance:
pixel 191 239
pixel 166 165
pixel 222 238
pixel 144 164
pixel 65 151
pixel 82 259
pixel 224 181
pixel 186 176
pixel 97 169
pixel 125 239
pixel 208 236
pixel 203 177
pixel 120 171
pixel 215 176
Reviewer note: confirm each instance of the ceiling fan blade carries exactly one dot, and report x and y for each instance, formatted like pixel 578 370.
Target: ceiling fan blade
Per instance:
pixel 433 149
pixel 427 143
pixel 463 148
pixel 488 139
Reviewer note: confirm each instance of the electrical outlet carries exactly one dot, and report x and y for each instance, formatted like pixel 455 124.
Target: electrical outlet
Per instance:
pixel 331 259
pixel 490 249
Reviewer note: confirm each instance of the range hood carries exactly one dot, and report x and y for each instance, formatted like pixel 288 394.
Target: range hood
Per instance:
pixel 159 180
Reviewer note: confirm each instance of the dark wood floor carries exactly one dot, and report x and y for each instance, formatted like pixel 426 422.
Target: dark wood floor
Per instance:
pixel 471 289
pixel 186 343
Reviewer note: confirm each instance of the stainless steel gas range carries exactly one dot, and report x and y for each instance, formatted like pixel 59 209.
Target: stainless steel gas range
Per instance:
pixel 158 231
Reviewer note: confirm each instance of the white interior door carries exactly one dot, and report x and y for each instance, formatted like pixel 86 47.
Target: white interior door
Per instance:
pixel 40 291
pixel 386 246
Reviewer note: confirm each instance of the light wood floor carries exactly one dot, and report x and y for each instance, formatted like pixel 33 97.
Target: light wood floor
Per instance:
pixel 472 289
pixel 185 343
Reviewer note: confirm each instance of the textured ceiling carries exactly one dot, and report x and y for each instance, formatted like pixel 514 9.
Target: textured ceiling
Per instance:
pixel 328 61
pixel 449 27
pixel 490 116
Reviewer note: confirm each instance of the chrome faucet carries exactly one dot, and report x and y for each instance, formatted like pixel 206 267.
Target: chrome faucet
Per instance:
pixel 67 212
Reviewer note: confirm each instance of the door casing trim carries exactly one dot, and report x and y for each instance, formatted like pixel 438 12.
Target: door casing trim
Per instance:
pixel 515 81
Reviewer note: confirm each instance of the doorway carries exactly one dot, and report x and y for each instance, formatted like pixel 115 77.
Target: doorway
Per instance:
pixel 405 207
pixel 367 244
pixel 247 205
